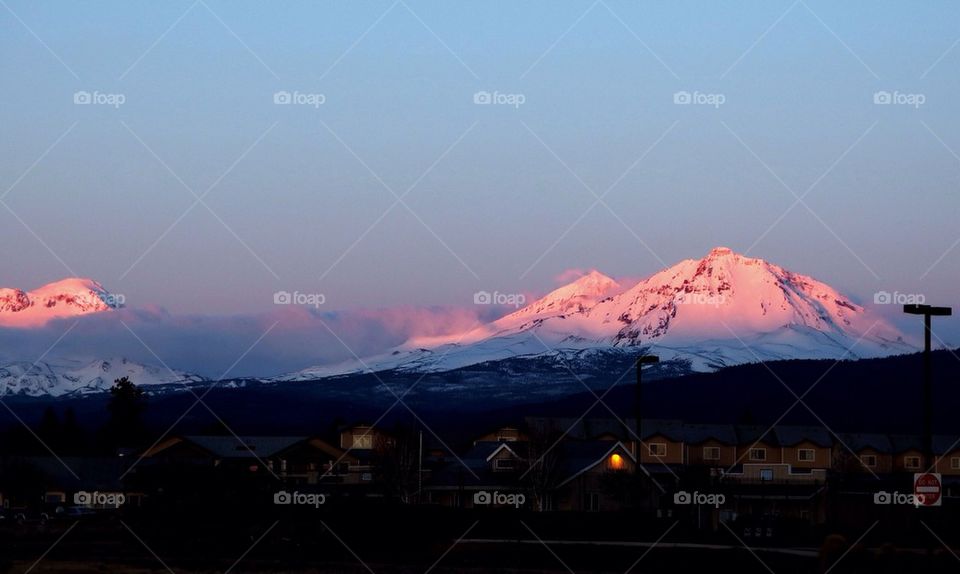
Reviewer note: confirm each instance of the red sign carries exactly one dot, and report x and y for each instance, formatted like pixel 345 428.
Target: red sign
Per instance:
pixel 928 489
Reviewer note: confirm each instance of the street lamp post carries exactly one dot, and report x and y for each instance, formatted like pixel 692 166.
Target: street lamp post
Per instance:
pixel 641 360
pixel 928 312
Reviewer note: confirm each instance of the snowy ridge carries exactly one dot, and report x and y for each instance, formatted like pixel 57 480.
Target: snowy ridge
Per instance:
pixel 65 298
pixel 66 377
pixel 723 309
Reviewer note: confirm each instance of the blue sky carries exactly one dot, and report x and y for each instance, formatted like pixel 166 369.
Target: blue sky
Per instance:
pixel 299 195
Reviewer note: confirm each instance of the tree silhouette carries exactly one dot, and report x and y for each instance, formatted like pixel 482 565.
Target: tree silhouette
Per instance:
pixel 125 427
pixel 73 436
pixel 50 430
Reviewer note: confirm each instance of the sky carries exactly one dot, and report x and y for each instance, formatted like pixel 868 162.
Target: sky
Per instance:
pixel 389 182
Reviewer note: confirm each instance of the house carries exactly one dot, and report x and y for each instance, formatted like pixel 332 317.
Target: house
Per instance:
pixel 948 455
pixel 489 467
pixel 868 453
pixel 710 445
pixel 907 453
pixel 595 475
pixel 804 447
pixel 757 445
pixel 661 443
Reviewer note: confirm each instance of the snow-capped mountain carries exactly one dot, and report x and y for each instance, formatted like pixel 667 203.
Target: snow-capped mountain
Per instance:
pixel 64 377
pixel 65 298
pixel 720 310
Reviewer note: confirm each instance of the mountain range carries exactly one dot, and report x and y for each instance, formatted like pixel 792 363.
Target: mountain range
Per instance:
pixel 697 315
pixel 721 310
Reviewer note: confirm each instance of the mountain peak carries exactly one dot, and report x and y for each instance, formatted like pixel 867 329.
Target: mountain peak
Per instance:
pixel 577 296
pixel 721 251
pixel 67 297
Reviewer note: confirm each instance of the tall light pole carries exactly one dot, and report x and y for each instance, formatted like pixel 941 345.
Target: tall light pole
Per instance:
pixel 641 361
pixel 928 312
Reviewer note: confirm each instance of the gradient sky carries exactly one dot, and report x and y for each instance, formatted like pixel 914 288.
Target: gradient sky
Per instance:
pixel 299 193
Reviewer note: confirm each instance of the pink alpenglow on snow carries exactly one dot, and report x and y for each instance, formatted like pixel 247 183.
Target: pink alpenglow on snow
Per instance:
pixel 65 298
pixel 723 309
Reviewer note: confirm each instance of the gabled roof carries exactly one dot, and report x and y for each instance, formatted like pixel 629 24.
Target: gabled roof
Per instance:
pixel 750 434
pixel 698 434
pixel 502 446
pixel 945 444
pixel 903 443
pixel 794 435
pixel 577 457
pixel 861 441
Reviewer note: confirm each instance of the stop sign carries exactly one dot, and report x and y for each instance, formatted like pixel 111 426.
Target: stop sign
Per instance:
pixel 927 488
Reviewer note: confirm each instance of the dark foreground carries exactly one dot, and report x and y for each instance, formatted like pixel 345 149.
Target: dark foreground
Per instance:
pixel 421 539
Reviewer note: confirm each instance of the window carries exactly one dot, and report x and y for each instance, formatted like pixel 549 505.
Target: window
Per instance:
pixel 593 502
pixel 758 454
pixel 806 455
pixel 911 462
pixel 363 440
pixel 711 453
pixel 869 460
pixel 657 449
pixel 504 464
pixel 766 474
pixel 955 463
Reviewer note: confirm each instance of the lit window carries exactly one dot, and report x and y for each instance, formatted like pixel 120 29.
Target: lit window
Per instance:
pixel 363 440
pixel 616 461
pixel 806 455
pixel 657 449
pixel 711 453
pixel 758 454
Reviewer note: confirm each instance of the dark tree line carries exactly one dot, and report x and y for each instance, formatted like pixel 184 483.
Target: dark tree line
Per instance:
pixel 65 436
